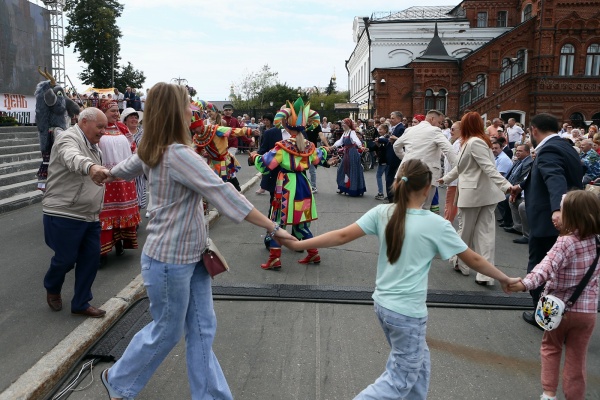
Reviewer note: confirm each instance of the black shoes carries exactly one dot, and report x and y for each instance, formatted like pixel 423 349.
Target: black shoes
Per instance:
pixel 521 240
pixel 530 319
pixel 512 230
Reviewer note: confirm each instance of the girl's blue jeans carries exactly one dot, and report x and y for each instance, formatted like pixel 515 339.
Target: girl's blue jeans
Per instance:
pixel 382 170
pixel 408 367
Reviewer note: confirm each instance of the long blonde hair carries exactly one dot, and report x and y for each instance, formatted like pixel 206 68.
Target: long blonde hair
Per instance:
pixel 165 121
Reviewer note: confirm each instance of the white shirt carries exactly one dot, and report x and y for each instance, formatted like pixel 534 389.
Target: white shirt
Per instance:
pixel 143 101
pixel 540 144
pixel 514 134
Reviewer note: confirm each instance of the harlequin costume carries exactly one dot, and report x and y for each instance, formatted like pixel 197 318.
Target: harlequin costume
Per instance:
pixel 293 203
pixel 120 213
pixel 211 141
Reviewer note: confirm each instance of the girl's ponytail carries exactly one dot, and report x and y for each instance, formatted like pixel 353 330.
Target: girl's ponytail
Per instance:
pixel 414 175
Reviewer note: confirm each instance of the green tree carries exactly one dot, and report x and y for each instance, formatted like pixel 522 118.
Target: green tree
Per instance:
pixel 331 87
pixel 250 88
pixel 278 94
pixel 95 35
pixel 129 76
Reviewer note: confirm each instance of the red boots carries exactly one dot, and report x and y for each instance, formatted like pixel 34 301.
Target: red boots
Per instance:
pixel 312 257
pixel 274 261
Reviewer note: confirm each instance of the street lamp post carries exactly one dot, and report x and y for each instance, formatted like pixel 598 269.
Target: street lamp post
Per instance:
pixel 179 80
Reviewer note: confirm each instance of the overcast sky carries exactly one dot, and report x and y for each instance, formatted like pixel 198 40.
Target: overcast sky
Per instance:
pixel 214 44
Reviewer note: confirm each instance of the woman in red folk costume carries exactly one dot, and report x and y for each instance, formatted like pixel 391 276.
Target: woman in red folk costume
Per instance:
pixel 120 214
pixel 211 142
pixel 293 203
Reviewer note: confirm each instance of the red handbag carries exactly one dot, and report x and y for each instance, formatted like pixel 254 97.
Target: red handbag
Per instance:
pixel 213 260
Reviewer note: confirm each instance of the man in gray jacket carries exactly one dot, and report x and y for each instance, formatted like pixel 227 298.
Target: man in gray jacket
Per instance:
pixel 71 206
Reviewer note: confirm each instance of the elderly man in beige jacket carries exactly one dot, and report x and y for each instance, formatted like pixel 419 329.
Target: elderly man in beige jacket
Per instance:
pixel 426 142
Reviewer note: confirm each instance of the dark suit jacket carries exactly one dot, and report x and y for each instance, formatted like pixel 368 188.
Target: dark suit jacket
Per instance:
pixel 525 166
pixel 508 152
pixel 267 142
pixel 556 169
pixel 391 157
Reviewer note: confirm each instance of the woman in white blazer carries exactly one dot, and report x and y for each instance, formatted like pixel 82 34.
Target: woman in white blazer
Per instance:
pixel 480 189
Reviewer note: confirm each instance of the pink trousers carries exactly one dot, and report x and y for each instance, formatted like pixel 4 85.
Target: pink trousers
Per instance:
pixel 573 333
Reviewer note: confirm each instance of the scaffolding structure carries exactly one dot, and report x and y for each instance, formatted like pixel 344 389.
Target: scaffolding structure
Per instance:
pixel 55 8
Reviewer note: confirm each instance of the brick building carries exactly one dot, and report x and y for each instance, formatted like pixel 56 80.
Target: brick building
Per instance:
pixel 547 59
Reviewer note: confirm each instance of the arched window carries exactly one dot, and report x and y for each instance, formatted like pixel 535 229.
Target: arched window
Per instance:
pixel 429 100
pixel 513 67
pixel 440 101
pixel 567 59
pixel 592 61
pixel 527 12
pixel 435 100
pixel 465 95
pixel 577 120
pixel 479 88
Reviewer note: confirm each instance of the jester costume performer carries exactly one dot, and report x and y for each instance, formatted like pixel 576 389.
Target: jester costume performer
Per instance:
pixel 211 142
pixel 120 213
pixel 293 203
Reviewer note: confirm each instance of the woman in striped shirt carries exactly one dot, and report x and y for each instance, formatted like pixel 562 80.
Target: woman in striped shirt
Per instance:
pixel 176 281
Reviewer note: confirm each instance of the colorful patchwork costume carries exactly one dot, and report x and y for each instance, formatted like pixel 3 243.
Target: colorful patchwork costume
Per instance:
pixel 211 142
pixel 293 203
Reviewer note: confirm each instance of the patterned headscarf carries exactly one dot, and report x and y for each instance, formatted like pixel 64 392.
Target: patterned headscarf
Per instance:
pixel 349 122
pixel 297 117
pixel 419 117
pixel 107 104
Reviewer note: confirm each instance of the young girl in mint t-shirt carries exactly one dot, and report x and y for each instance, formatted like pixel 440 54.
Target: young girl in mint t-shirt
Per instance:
pixel 409 239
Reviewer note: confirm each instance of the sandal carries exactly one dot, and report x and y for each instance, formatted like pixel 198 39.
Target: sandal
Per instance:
pixel 109 390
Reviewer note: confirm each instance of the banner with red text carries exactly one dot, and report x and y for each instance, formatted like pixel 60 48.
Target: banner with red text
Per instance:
pixel 19 106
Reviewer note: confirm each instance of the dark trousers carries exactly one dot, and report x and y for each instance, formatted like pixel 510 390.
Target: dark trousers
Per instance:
pixel 505 212
pixel 76 244
pixel 389 177
pixel 538 248
pixel 236 184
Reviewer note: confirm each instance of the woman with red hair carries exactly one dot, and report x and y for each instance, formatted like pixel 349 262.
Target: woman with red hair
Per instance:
pixel 480 189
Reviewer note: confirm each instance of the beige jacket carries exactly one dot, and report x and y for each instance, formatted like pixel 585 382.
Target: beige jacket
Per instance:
pixel 70 193
pixel 480 183
pixel 426 143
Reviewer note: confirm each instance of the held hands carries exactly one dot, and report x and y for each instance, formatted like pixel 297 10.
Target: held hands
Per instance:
pixel 440 181
pixel 557 219
pixel 100 174
pixel 512 285
pixel 514 191
pixel 285 237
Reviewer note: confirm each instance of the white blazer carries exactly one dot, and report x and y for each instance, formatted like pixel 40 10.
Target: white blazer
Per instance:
pixel 425 142
pixel 479 184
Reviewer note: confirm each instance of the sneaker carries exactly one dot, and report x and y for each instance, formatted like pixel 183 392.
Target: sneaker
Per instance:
pixel 379 196
pixel 386 201
pixel 314 190
pixel 546 397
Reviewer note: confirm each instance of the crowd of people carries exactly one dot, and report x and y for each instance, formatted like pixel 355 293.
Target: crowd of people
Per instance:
pixel 101 168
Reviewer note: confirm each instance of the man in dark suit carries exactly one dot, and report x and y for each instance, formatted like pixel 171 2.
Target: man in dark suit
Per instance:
pixel 396 130
pixel 556 170
pixel 515 176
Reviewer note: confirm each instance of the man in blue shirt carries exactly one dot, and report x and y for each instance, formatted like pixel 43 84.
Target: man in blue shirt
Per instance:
pixel 503 163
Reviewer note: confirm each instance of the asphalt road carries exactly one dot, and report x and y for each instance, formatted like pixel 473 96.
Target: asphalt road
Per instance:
pixel 290 350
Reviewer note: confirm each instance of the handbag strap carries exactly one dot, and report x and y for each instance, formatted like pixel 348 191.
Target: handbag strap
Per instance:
pixel 586 278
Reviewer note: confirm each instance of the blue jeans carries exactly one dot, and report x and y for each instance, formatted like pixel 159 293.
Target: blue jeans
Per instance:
pixel 313 175
pixel 382 170
pixel 180 302
pixel 409 366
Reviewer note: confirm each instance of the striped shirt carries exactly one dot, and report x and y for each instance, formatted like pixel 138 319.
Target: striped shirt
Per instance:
pixel 176 229
pixel 564 267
